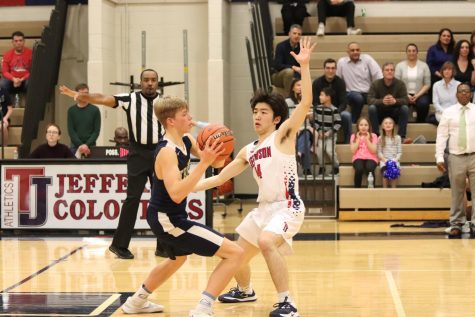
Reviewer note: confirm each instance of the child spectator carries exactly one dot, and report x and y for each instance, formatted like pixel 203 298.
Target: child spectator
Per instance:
pixel 389 149
pixel 327 124
pixel 363 144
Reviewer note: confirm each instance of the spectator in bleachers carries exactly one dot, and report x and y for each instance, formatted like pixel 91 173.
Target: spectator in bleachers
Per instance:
pixel 330 79
pixel 7 110
pixel 52 148
pixel 387 97
pixel 121 137
pixel 84 124
pixel 293 12
pixel 472 49
pixel 305 136
pixel 363 144
pixel 285 66
pixel 464 63
pixel 338 8
pixel 358 71
pixel 439 53
pixel 389 148
pixel 327 124
pixel 444 92
pixel 457 127
pixel 416 75
pixel 16 65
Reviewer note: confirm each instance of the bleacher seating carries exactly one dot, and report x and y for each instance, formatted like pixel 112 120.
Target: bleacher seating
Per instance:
pixel 385 25
pixel 32 31
pixel 407 202
pixel 385 38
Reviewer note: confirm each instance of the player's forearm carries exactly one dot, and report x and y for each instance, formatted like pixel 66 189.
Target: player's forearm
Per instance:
pixel 306 86
pixel 207 183
pixel 181 189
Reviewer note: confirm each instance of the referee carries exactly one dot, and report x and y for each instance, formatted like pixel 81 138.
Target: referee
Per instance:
pixel 145 131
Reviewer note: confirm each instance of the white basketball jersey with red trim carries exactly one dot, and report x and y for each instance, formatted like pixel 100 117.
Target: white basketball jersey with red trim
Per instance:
pixel 275 173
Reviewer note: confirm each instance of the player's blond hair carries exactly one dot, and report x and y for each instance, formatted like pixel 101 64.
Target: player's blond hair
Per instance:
pixel 167 107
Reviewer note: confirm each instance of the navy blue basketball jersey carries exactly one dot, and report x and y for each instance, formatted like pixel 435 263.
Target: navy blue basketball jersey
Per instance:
pixel 160 200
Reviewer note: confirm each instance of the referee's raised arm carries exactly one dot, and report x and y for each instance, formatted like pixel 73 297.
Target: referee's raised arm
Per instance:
pixel 95 98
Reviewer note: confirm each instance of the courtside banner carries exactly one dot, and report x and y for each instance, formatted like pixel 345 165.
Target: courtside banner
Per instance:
pixel 79 196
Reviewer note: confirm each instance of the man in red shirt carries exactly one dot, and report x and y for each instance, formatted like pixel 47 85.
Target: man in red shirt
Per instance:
pixel 16 65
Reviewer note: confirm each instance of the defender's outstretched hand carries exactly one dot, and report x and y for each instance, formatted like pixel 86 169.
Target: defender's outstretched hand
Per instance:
pixel 306 48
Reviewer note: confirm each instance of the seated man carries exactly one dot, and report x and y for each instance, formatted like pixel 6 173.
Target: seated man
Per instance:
pixel 121 137
pixel 16 65
pixel 84 124
pixel 358 71
pixel 331 80
pixel 338 8
pixel 285 66
pixel 7 110
pixel 52 149
pixel 387 97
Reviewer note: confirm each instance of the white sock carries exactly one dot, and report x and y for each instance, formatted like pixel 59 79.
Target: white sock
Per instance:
pixel 321 24
pixel 247 290
pixel 284 296
pixel 141 295
pixel 206 302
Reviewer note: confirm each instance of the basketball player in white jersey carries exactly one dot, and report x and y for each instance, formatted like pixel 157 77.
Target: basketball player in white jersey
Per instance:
pixel 269 228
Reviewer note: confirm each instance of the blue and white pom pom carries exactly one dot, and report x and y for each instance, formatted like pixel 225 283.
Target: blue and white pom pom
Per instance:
pixel 392 171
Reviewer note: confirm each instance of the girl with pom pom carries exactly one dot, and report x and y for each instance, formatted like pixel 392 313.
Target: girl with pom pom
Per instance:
pixel 363 144
pixel 389 153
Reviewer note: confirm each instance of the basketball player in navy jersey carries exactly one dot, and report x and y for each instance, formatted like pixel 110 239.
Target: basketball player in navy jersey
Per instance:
pixel 167 216
pixel 269 228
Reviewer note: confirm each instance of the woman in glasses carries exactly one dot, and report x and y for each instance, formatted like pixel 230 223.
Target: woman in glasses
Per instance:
pixel 52 149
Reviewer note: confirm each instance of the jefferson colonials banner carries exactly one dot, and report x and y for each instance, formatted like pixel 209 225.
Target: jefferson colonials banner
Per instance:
pixel 81 196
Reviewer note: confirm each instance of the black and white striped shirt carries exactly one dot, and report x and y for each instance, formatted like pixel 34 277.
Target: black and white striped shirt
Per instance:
pixel 144 127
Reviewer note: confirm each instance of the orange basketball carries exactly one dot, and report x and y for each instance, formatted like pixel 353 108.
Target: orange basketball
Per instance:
pixel 220 133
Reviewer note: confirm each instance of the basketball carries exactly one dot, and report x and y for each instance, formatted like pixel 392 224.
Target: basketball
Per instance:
pixel 219 133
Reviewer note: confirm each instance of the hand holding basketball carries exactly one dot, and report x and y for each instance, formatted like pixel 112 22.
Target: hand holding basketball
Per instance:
pixel 217 133
pixel 211 152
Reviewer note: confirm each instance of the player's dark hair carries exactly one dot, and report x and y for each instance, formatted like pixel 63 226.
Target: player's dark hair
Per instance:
pixel 275 101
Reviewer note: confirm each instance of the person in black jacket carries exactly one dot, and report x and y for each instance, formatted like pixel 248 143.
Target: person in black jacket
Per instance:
pixel 285 66
pixel 331 80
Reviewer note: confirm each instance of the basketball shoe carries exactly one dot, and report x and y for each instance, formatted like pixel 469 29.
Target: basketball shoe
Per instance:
pixel 284 309
pixel 236 296
pixel 133 306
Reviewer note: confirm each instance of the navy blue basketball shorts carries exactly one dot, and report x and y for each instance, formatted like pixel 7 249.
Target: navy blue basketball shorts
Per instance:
pixel 181 237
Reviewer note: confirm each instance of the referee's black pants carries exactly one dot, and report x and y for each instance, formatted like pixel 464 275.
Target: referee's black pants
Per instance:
pixel 139 168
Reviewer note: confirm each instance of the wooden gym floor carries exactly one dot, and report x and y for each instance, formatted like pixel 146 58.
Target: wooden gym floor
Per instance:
pixel 338 269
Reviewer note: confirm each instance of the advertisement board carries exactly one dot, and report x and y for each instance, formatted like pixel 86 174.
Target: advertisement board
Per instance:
pixel 73 196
